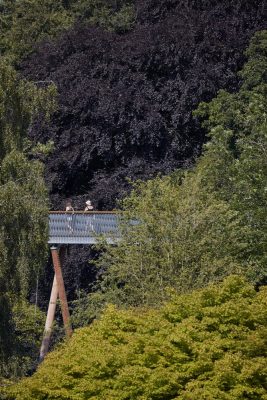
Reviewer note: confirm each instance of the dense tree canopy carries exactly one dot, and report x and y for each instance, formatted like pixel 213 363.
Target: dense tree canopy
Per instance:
pixel 210 344
pixel 129 74
pixel 23 23
pixel 126 101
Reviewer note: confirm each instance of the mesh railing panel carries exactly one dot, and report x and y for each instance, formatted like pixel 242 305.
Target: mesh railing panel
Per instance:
pixel 79 228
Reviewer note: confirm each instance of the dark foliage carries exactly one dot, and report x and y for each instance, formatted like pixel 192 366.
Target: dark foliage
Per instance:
pixel 126 100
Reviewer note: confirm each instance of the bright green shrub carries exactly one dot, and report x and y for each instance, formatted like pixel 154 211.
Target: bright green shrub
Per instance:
pixel 210 344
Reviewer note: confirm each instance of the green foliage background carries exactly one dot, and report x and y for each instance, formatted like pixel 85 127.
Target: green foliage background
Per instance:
pixel 25 329
pixel 210 344
pixel 23 195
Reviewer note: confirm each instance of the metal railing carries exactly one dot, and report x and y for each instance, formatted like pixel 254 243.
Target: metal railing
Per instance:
pixel 78 227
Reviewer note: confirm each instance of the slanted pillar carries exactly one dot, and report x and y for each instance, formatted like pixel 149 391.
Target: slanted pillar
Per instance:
pixel 49 320
pixel 58 289
pixel 61 291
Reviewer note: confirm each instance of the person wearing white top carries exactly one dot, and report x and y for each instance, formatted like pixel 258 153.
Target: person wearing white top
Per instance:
pixel 69 206
pixel 89 206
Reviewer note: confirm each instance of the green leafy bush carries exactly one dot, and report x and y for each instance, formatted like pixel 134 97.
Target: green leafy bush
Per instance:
pixel 210 344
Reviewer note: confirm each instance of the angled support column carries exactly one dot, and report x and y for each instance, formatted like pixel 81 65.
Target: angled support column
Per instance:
pixel 49 320
pixel 61 291
pixel 58 289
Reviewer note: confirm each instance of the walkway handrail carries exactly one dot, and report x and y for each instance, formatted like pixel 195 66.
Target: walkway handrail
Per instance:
pixel 84 212
pixel 83 227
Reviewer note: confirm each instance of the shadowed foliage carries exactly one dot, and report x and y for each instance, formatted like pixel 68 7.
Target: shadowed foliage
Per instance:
pixel 126 101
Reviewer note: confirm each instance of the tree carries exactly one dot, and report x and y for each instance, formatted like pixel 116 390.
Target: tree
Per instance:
pixel 20 103
pixel 23 195
pixel 237 150
pixel 23 198
pixel 21 334
pixel 126 101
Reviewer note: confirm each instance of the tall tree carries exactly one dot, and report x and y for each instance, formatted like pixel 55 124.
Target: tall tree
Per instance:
pixel 23 194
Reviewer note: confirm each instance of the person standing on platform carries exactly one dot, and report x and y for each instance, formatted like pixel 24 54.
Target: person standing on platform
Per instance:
pixel 89 206
pixel 70 209
pixel 69 206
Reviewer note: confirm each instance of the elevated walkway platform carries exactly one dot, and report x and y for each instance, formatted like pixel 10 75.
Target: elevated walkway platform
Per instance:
pixel 78 227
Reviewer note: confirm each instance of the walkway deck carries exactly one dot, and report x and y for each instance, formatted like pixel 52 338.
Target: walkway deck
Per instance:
pixel 82 227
